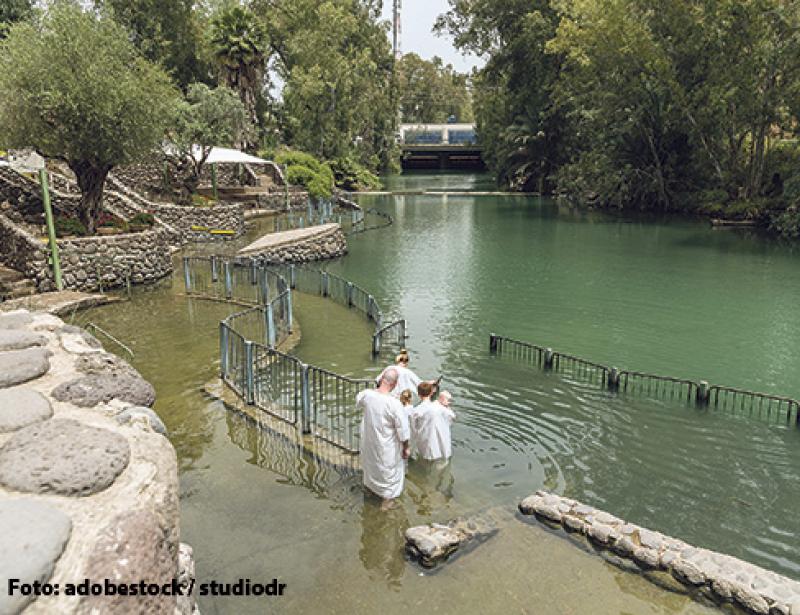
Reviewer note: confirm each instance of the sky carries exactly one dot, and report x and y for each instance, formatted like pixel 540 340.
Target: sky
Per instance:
pixel 418 17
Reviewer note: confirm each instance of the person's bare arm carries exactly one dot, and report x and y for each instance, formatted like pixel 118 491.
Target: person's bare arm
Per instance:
pixel 406 450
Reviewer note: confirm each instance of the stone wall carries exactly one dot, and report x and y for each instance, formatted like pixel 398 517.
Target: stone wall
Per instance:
pixel 671 562
pixel 197 223
pixel 300 245
pixel 21 251
pixel 21 198
pixel 88 481
pixel 90 262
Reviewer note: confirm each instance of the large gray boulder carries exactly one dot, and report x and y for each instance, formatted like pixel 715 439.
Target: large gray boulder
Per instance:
pixel 15 320
pixel 18 366
pixel 62 456
pixel 20 407
pixel 33 538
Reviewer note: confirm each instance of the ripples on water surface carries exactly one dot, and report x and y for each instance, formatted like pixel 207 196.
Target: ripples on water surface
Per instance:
pixel 673 298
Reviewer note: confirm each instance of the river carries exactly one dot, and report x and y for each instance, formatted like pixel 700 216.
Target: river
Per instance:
pixel 671 297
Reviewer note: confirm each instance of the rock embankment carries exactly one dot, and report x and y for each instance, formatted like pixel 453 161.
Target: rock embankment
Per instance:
pixel 88 482
pixel 314 243
pixel 720 577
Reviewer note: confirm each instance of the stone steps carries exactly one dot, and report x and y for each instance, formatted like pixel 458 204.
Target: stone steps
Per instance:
pixel 14 284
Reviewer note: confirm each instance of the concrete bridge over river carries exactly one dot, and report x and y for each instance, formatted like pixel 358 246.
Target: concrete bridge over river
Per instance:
pixel 440 146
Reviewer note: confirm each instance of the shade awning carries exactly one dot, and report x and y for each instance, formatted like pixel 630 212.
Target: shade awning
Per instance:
pixel 220 155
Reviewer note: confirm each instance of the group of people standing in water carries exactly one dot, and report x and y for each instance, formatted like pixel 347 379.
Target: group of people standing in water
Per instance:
pixel 393 429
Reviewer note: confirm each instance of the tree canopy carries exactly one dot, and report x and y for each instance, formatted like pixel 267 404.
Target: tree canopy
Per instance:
pixel 431 92
pixel 635 102
pixel 73 87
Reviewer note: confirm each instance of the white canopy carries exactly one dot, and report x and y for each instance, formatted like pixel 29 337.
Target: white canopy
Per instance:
pixel 224 154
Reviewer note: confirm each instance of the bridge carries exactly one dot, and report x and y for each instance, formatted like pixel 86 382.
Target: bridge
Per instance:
pixel 440 146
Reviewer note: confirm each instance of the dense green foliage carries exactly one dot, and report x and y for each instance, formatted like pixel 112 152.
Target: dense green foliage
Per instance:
pixel 239 44
pixel 633 103
pixel 305 170
pixel 208 117
pixel 168 33
pixel 73 87
pixel 339 97
pixel 12 11
pixel 349 174
pixel 431 92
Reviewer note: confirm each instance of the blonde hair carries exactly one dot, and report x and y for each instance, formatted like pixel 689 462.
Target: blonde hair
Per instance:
pixel 405 397
pixel 402 357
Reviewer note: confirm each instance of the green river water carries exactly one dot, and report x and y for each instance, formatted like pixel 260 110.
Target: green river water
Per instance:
pixel 674 298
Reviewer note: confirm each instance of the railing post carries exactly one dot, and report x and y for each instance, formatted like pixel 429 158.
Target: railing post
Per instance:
pixel 548 358
pixel 492 343
pixel 370 307
pixel 292 277
pixel 223 350
pixel 349 294
pixel 324 283
pixel 305 399
pixel 264 287
pixel 613 379
pixel 376 344
pixel 289 317
pixel 302 222
pixel 214 270
pixel 248 370
pixel 187 275
pixel 228 281
pixel 253 273
pixel 703 393
pixel 271 333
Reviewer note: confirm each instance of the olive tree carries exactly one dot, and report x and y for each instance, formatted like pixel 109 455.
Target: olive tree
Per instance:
pixel 207 117
pixel 73 87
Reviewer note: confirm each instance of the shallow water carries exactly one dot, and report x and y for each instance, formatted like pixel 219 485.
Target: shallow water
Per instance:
pixel 675 298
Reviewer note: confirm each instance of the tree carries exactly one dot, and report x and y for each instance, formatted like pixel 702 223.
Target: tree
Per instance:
pixel 12 11
pixel 239 44
pixel 168 33
pixel 73 87
pixel 340 94
pixel 431 92
pixel 206 118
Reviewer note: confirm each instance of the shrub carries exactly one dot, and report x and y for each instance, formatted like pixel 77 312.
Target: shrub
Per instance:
pixel 304 170
pixel 107 220
pixel 69 226
pixel 349 174
pixel 143 219
pixel 787 222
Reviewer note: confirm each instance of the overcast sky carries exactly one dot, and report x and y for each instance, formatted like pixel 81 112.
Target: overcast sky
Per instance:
pixel 418 17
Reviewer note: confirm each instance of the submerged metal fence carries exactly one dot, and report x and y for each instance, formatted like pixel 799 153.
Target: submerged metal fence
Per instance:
pixel 662 387
pixel 320 401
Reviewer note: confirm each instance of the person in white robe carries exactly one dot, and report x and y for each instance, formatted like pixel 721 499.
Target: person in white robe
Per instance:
pixel 384 439
pixel 407 380
pixel 431 426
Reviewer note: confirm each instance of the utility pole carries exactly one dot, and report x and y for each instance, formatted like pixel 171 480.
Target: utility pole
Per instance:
pixel 397 29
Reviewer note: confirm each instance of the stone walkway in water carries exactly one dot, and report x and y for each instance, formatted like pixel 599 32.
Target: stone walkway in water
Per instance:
pixel 671 562
pixel 88 482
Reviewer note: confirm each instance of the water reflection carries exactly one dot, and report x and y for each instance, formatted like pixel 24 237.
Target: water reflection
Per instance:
pixel 382 541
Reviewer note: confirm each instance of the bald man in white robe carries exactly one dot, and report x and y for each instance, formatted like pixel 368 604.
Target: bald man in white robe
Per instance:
pixel 384 439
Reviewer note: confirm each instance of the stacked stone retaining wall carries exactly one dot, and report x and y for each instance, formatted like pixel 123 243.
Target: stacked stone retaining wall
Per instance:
pixel 671 562
pixel 88 479
pixel 300 246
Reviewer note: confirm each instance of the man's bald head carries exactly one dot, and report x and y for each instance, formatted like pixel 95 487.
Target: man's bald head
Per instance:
pixel 389 380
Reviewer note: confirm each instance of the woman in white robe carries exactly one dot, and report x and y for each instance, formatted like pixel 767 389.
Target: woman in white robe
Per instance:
pixel 407 380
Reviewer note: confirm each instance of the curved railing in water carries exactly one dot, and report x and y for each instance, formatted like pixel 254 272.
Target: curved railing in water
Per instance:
pixel 320 401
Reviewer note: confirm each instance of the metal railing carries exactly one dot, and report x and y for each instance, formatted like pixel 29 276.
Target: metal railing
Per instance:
pixel 320 401
pixel 662 387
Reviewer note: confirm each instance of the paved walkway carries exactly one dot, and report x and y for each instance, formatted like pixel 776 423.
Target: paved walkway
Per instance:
pixel 275 240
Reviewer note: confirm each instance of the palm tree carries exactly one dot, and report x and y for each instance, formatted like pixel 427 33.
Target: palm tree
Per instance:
pixel 239 41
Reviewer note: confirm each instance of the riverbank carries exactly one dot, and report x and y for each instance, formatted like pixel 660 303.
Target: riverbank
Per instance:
pixel 88 479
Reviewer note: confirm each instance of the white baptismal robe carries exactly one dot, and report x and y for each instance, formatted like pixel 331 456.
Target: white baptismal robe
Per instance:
pixel 431 430
pixel 406 380
pixel 384 428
